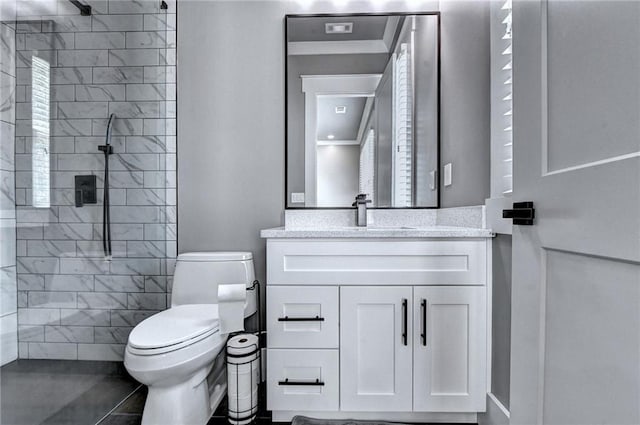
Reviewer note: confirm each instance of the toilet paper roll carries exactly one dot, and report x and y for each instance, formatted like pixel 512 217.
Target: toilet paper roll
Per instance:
pixel 243 379
pixel 241 406
pixel 241 346
pixel 243 365
pixel 231 300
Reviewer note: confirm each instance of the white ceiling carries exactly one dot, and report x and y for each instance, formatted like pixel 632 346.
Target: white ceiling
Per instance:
pixel 342 126
pixel 300 29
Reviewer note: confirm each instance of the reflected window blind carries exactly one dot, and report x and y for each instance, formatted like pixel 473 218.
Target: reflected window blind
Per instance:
pixel 402 129
pixel 506 77
pixel 367 166
pixel 40 79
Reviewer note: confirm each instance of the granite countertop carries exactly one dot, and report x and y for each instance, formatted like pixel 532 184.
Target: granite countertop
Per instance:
pixel 376 232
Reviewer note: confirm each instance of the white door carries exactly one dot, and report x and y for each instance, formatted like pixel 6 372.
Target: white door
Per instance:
pixel 449 360
pixel 375 348
pixel 575 335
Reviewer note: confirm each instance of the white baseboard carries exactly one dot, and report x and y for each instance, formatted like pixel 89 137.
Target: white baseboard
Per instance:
pixel 496 414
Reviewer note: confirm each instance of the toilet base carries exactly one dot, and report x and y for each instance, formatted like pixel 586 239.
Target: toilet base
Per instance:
pixel 187 403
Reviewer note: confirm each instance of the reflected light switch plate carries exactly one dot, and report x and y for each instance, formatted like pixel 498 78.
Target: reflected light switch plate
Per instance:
pixel 297 197
pixel 447 174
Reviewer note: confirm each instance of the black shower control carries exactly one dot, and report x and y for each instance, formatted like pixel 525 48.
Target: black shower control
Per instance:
pixel 85 190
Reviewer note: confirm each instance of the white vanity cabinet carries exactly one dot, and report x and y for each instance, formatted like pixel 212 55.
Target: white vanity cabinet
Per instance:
pixel 377 328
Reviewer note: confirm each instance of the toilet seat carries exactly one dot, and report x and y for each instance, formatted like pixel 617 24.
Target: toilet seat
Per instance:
pixel 173 329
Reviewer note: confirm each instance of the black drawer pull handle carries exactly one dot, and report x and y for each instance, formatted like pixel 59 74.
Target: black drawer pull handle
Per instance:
pixel 300 319
pixel 405 327
pixel 317 382
pixel 423 334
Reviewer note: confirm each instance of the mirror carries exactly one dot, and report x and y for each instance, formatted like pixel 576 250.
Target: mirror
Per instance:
pixel 362 110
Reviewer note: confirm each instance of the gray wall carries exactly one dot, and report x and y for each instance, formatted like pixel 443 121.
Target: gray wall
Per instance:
pixel 465 102
pixel 231 125
pixel 71 303
pixel 426 109
pixel 501 327
pixel 231 119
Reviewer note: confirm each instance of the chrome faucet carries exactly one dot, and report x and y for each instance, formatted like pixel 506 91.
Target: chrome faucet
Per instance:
pixel 361 204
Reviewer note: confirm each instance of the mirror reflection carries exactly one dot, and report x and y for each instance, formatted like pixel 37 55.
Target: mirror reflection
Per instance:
pixel 362 110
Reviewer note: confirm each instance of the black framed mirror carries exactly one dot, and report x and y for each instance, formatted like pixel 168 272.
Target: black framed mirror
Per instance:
pixel 363 110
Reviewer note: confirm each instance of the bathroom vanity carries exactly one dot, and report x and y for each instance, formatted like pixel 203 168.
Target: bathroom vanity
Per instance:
pixel 389 321
pixel 378 323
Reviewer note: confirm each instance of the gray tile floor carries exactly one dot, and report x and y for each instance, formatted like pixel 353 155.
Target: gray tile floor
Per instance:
pixel 130 412
pixel 51 392
pixel 63 392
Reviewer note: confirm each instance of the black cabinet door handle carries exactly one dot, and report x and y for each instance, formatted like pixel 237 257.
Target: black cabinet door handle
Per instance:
pixel 423 334
pixel 522 213
pixel 404 321
pixel 317 382
pixel 300 319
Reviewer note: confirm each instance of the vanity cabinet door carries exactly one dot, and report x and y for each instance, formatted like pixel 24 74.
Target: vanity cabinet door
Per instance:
pixel 449 349
pixel 375 348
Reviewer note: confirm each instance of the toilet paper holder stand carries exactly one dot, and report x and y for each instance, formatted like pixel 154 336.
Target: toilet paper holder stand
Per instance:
pixel 237 416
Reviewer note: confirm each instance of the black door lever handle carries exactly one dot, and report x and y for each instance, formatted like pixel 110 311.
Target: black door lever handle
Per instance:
pixel 522 213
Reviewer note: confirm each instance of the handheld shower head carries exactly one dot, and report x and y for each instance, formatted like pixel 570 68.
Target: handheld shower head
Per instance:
pixel 109 126
pixel 106 148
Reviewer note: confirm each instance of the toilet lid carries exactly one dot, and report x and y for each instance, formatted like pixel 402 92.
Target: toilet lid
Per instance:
pixel 174 326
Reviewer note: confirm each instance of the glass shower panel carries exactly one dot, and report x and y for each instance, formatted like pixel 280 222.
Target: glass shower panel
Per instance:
pixel 73 73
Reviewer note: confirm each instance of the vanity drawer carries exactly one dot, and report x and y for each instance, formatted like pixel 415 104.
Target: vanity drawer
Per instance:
pixel 379 262
pixel 302 380
pixel 302 317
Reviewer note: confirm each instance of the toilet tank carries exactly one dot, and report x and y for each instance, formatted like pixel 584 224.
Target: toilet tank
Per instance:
pixel 198 274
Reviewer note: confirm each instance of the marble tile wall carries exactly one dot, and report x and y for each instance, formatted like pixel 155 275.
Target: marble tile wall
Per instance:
pixel 72 304
pixel 8 294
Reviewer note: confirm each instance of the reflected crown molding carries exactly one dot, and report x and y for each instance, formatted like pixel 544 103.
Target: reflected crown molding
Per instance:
pixel 299 48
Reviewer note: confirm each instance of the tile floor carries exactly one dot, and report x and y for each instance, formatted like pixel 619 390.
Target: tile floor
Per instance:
pixel 130 412
pixel 71 392
pixel 52 392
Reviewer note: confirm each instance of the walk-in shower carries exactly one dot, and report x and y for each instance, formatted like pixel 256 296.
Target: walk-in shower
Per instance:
pixel 87 95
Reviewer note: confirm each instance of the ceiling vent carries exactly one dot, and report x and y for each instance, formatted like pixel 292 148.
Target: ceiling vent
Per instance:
pixel 341 109
pixel 338 28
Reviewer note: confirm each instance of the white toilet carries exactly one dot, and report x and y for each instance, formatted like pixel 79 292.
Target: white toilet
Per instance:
pixel 173 352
